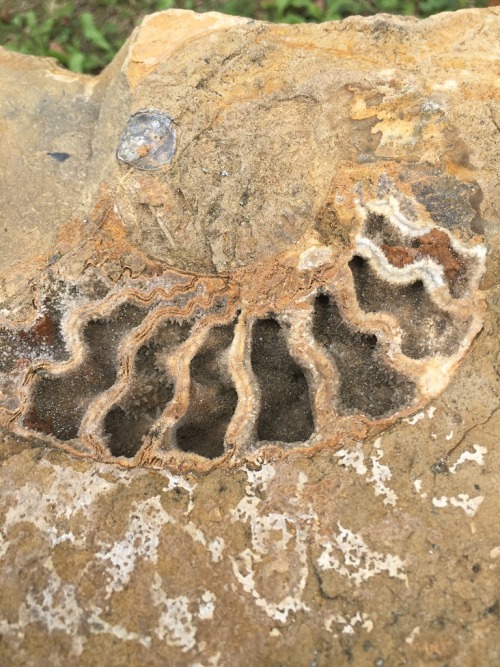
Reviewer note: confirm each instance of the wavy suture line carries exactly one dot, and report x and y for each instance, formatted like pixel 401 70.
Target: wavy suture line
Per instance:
pixel 323 376
pixel 390 209
pixel 74 325
pixel 383 324
pixel 164 427
pixel 297 279
pixel 429 374
pixel 91 425
pixel 424 270
pixel 89 433
pixel 241 430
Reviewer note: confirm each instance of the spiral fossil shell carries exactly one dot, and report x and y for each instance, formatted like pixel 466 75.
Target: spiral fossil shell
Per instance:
pixel 260 264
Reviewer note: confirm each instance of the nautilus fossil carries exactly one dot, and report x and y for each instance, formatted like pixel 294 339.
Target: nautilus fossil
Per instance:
pixel 359 322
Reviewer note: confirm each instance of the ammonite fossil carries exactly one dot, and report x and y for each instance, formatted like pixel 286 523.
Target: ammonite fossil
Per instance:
pixel 323 342
pixel 225 301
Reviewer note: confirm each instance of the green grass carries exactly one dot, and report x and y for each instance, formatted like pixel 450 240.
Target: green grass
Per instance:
pixel 84 36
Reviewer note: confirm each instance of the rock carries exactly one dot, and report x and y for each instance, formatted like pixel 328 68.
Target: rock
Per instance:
pixel 268 254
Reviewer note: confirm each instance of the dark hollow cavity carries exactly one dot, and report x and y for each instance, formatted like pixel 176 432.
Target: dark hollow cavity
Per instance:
pixel 151 390
pixel 367 384
pixel 381 231
pixel 213 397
pixel 59 402
pixel 285 411
pixel 427 330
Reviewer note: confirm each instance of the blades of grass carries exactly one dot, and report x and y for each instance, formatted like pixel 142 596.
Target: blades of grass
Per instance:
pixel 31 20
pixel 92 33
pixel 161 5
pixel 338 9
pixel 310 10
pixel 291 17
pixel 76 62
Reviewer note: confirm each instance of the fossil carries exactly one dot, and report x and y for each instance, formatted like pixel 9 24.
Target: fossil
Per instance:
pixel 358 324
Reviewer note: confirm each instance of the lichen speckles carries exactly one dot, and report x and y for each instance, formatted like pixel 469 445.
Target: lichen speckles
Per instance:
pixel 148 141
pixel 322 343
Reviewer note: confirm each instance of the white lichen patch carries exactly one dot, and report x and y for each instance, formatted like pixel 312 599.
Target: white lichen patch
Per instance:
pixel 195 533
pixel 207 606
pixel 99 626
pixel 278 545
pixel 429 413
pixel 469 505
pixel 259 478
pixel 272 570
pixel 353 458
pixel 477 456
pixel 244 569
pixel 51 508
pixel 349 624
pixel 140 541
pixel 179 482
pixel 461 500
pixel 56 608
pixel 178 615
pixel 175 625
pixel 380 473
pixel 351 557
pixel 215 547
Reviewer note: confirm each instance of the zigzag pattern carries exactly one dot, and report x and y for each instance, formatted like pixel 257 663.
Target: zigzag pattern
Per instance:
pixel 298 353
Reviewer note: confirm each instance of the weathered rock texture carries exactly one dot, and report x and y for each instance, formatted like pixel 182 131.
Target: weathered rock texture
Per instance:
pixel 268 254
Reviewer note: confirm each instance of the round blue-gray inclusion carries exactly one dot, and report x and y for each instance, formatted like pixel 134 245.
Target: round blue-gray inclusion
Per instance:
pixel 148 141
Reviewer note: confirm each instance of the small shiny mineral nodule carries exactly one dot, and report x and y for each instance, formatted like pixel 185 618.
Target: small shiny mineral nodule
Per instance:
pixel 147 141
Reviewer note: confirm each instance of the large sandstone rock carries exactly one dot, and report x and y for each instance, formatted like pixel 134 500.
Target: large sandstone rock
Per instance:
pixel 249 347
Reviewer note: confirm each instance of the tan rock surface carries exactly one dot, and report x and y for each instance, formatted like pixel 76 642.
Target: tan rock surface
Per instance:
pixel 298 151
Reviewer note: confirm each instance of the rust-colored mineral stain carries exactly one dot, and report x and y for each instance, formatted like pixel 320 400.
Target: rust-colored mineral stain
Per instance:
pixel 44 330
pixel 399 256
pixel 33 420
pixel 436 245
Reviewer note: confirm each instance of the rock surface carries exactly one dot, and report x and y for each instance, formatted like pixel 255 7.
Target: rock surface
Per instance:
pixel 293 153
